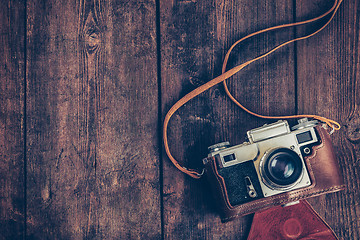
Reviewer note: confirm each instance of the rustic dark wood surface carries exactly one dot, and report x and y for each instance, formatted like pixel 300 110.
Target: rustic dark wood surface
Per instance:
pixel 85 86
pixel 12 91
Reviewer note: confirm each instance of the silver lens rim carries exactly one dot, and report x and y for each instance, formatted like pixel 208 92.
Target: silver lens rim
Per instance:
pixel 267 181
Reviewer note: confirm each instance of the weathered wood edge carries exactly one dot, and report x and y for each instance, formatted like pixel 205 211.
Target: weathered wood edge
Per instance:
pixel 12 73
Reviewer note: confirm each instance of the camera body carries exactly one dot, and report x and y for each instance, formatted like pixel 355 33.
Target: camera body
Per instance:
pixel 270 163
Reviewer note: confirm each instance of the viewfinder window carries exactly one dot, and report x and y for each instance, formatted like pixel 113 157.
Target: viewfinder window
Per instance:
pixel 229 158
pixel 304 137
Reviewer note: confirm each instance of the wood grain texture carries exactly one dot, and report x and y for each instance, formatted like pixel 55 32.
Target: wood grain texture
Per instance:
pixel 12 72
pixel 93 168
pixel 80 156
pixel 195 36
pixel 328 76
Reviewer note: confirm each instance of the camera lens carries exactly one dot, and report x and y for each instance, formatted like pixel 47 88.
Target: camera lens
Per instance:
pixel 282 167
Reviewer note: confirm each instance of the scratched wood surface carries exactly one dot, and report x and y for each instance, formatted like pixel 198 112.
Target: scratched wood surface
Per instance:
pixel 92 109
pixel 12 72
pixel 85 85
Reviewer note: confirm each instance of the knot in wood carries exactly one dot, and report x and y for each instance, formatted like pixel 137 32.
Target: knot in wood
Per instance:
pixel 92 41
pixel 196 81
pixel 92 34
pixel 353 129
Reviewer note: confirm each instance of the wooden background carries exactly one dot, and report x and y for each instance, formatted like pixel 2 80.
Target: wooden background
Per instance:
pixel 84 87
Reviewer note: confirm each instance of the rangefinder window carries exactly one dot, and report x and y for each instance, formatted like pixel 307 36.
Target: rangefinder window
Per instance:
pixel 304 137
pixel 230 157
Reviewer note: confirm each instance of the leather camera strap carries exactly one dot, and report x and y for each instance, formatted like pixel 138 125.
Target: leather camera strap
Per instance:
pixel 227 74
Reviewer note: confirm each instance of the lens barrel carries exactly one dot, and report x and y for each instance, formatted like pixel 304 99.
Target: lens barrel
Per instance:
pixel 282 168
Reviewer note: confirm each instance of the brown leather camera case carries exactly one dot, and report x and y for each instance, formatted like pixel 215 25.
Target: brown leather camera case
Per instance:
pixel 323 169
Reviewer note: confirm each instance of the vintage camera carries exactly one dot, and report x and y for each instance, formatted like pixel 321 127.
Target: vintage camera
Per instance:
pixel 271 163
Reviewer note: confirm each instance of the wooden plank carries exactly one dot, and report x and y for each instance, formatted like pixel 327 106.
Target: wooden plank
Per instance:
pixel 194 38
pixel 12 70
pixel 328 76
pixel 92 120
